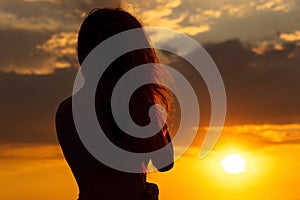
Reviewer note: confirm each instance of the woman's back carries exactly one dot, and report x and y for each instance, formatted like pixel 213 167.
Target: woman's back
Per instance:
pixel 94 179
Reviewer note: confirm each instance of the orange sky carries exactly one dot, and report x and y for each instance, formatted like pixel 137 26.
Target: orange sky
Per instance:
pixel 272 171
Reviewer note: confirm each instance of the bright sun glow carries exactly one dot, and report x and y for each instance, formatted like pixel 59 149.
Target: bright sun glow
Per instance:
pixel 233 164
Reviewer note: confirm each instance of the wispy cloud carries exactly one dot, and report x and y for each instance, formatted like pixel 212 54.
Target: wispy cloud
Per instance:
pixel 50 1
pixel 30 152
pixel 266 46
pixel 161 15
pixel 275 5
pixel 249 7
pixel 290 37
pixel 12 21
pixel 209 21
pixel 271 133
pixel 59 51
pixel 235 10
pixel 62 46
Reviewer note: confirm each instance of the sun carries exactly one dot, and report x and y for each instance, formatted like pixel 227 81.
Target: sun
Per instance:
pixel 233 164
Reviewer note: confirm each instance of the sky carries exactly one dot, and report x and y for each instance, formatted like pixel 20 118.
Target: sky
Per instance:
pixel 255 45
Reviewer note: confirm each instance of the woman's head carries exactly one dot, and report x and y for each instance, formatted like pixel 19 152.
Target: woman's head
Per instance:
pixel 101 24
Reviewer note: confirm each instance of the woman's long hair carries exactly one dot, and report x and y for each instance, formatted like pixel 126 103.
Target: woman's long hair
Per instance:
pixel 99 25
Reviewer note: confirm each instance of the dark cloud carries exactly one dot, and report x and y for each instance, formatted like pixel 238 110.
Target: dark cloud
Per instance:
pixel 261 89
pixel 18 49
pixel 28 104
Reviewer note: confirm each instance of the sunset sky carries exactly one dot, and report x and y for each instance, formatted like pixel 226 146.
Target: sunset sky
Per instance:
pixel 256 46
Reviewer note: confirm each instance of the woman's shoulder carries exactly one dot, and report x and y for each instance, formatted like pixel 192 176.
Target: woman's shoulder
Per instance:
pixel 64 111
pixel 64 106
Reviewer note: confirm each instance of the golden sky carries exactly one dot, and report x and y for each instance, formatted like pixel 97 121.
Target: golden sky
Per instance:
pixel 256 46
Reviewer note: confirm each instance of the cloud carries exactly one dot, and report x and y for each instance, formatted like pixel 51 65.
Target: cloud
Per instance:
pixel 261 48
pixel 261 89
pixel 29 103
pixel 160 15
pixel 27 52
pixel 63 43
pixel 290 37
pixel 266 46
pixel 275 5
pixel 235 10
pixel 213 21
pixel 242 8
pixel 240 19
pixel 30 152
pixel 12 21
pixel 38 37
pixel 39 15
pixel 18 51
pixel 255 137
pixel 50 1
pixel 62 48
pixel 269 133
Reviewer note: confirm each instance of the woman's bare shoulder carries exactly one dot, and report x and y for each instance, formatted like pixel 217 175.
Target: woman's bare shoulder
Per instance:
pixel 65 104
pixel 64 108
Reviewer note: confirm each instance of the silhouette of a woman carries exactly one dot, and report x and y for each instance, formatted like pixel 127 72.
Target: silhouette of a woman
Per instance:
pixel 96 180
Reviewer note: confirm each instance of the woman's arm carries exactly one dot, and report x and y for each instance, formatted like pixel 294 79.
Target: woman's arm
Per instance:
pixel 166 155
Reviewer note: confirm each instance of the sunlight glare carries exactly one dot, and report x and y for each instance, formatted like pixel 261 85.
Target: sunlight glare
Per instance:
pixel 233 164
